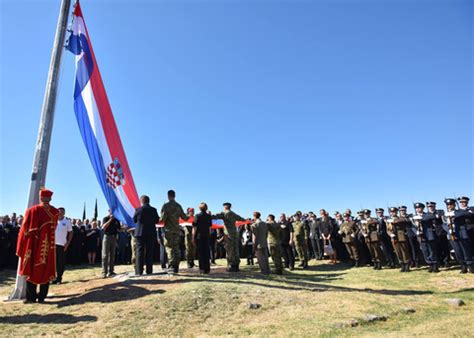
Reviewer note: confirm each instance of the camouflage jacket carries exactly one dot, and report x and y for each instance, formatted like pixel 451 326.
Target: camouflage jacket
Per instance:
pixel 274 233
pixel 170 214
pixel 229 218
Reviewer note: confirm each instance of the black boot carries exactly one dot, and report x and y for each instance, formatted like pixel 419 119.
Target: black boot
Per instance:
pixel 471 268
pixel 357 264
pixel 435 268
pixel 430 268
pixel 407 267
pixel 374 266
pixel 463 268
pixel 403 268
pixel 305 264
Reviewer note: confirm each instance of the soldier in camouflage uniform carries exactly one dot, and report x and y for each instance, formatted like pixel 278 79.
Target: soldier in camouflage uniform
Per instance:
pixel 232 236
pixel 170 214
pixel 274 243
pixel 348 231
pixel 188 239
pixel 301 236
pixel 397 230
pixel 370 230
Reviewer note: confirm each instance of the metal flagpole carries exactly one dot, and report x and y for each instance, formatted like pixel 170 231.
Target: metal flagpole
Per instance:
pixel 40 161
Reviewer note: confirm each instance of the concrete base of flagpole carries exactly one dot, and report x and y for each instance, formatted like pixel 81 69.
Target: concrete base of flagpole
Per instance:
pixel 19 292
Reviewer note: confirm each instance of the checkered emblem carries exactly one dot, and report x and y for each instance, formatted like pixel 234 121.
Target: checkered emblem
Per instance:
pixel 115 174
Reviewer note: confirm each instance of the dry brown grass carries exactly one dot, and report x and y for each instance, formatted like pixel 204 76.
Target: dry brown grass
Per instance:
pixel 300 303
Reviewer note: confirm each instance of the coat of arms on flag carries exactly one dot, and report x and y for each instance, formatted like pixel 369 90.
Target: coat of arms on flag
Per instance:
pixel 115 175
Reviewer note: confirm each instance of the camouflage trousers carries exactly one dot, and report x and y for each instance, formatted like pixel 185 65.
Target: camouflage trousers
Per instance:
pixel 275 252
pixel 172 248
pixel 232 249
pixel 403 251
pixel 301 247
pixel 190 248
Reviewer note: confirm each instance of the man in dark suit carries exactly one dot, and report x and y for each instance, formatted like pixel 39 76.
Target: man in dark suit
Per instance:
pixel 145 218
pixel 201 236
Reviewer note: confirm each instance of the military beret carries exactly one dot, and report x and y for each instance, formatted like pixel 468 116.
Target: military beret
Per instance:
pixel 402 207
pixel 449 201
pixel 431 204
pixel 463 199
pixel 367 211
pixel 227 204
pixel 379 209
pixel 393 209
pixel 419 205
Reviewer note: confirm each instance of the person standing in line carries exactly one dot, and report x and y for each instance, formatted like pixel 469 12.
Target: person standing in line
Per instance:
pixel 247 243
pixel 201 234
pixel 171 212
pixel 274 243
pixel 287 242
pixel 260 233
pixel 63 237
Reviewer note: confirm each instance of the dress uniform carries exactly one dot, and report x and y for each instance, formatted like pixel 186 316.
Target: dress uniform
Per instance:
pixel 287 233
pixel 443 248
pixel 464 205
pixel 427 238
pixel 348 231
pixel 415 252
pixel 385 241
pixel 370 230
pixel 457 220
pixel 397 230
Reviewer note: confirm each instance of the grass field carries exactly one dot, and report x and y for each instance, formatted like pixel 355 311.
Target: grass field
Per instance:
pixel 321 301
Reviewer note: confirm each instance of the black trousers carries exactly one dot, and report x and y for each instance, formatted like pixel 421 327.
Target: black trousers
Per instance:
pixel 60 262
pixel 144 254
pixel 203 253
pixel 32 295
pixel 288 255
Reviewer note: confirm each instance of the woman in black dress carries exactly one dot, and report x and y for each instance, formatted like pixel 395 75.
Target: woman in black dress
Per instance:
pixel 92 243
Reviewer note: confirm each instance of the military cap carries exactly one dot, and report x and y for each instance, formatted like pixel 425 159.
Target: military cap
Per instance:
pixel 393 209
pixel 346 214
pixel 419 205
pixel 402 207
pixel 379 210
pixel 299 213
pixel 430 204
pixel 360 212
pixel 463 199
pixel 449 201
pixel 367 211
pixel 227 204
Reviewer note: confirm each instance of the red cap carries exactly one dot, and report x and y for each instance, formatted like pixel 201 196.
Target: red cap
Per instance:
pixel 45 193
pixel 190 209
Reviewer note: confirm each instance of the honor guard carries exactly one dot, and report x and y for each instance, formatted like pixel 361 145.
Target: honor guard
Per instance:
pixel 464 205
pixel 397 230
pixel 370 229
pixel 456 220
pixel 348 231
pixel 386 243
pixel 301 236
pixel 426 236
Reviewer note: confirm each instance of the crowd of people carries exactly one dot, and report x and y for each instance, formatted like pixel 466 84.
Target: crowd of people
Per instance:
pixel 435 237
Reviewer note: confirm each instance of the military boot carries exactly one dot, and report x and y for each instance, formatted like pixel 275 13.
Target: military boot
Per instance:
pixel 430 268
pixel 435 268
pixel 463 268
pixel 471 268
pixel 305 264
pixel 403 268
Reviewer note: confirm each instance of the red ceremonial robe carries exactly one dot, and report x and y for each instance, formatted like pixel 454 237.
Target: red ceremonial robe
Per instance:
pixel 36 245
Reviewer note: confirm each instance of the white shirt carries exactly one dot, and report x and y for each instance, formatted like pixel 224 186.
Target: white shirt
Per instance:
pixel 64 226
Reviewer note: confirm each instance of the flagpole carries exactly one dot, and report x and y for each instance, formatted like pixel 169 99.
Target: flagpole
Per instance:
pixel 40 161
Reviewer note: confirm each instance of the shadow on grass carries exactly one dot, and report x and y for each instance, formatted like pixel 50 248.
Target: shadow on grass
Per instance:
pixel 51 318
pixel 293 281
pixel 116 292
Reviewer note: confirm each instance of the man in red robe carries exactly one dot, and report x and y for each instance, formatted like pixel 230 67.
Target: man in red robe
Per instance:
pixel 37 247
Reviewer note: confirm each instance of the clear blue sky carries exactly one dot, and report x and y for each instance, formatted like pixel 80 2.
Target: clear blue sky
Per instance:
pixel 271 105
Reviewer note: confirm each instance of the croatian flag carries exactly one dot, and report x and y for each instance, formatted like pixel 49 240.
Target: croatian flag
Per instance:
pixel 97 125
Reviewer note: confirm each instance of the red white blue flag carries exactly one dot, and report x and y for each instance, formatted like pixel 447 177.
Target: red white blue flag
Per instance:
pixel 97 126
